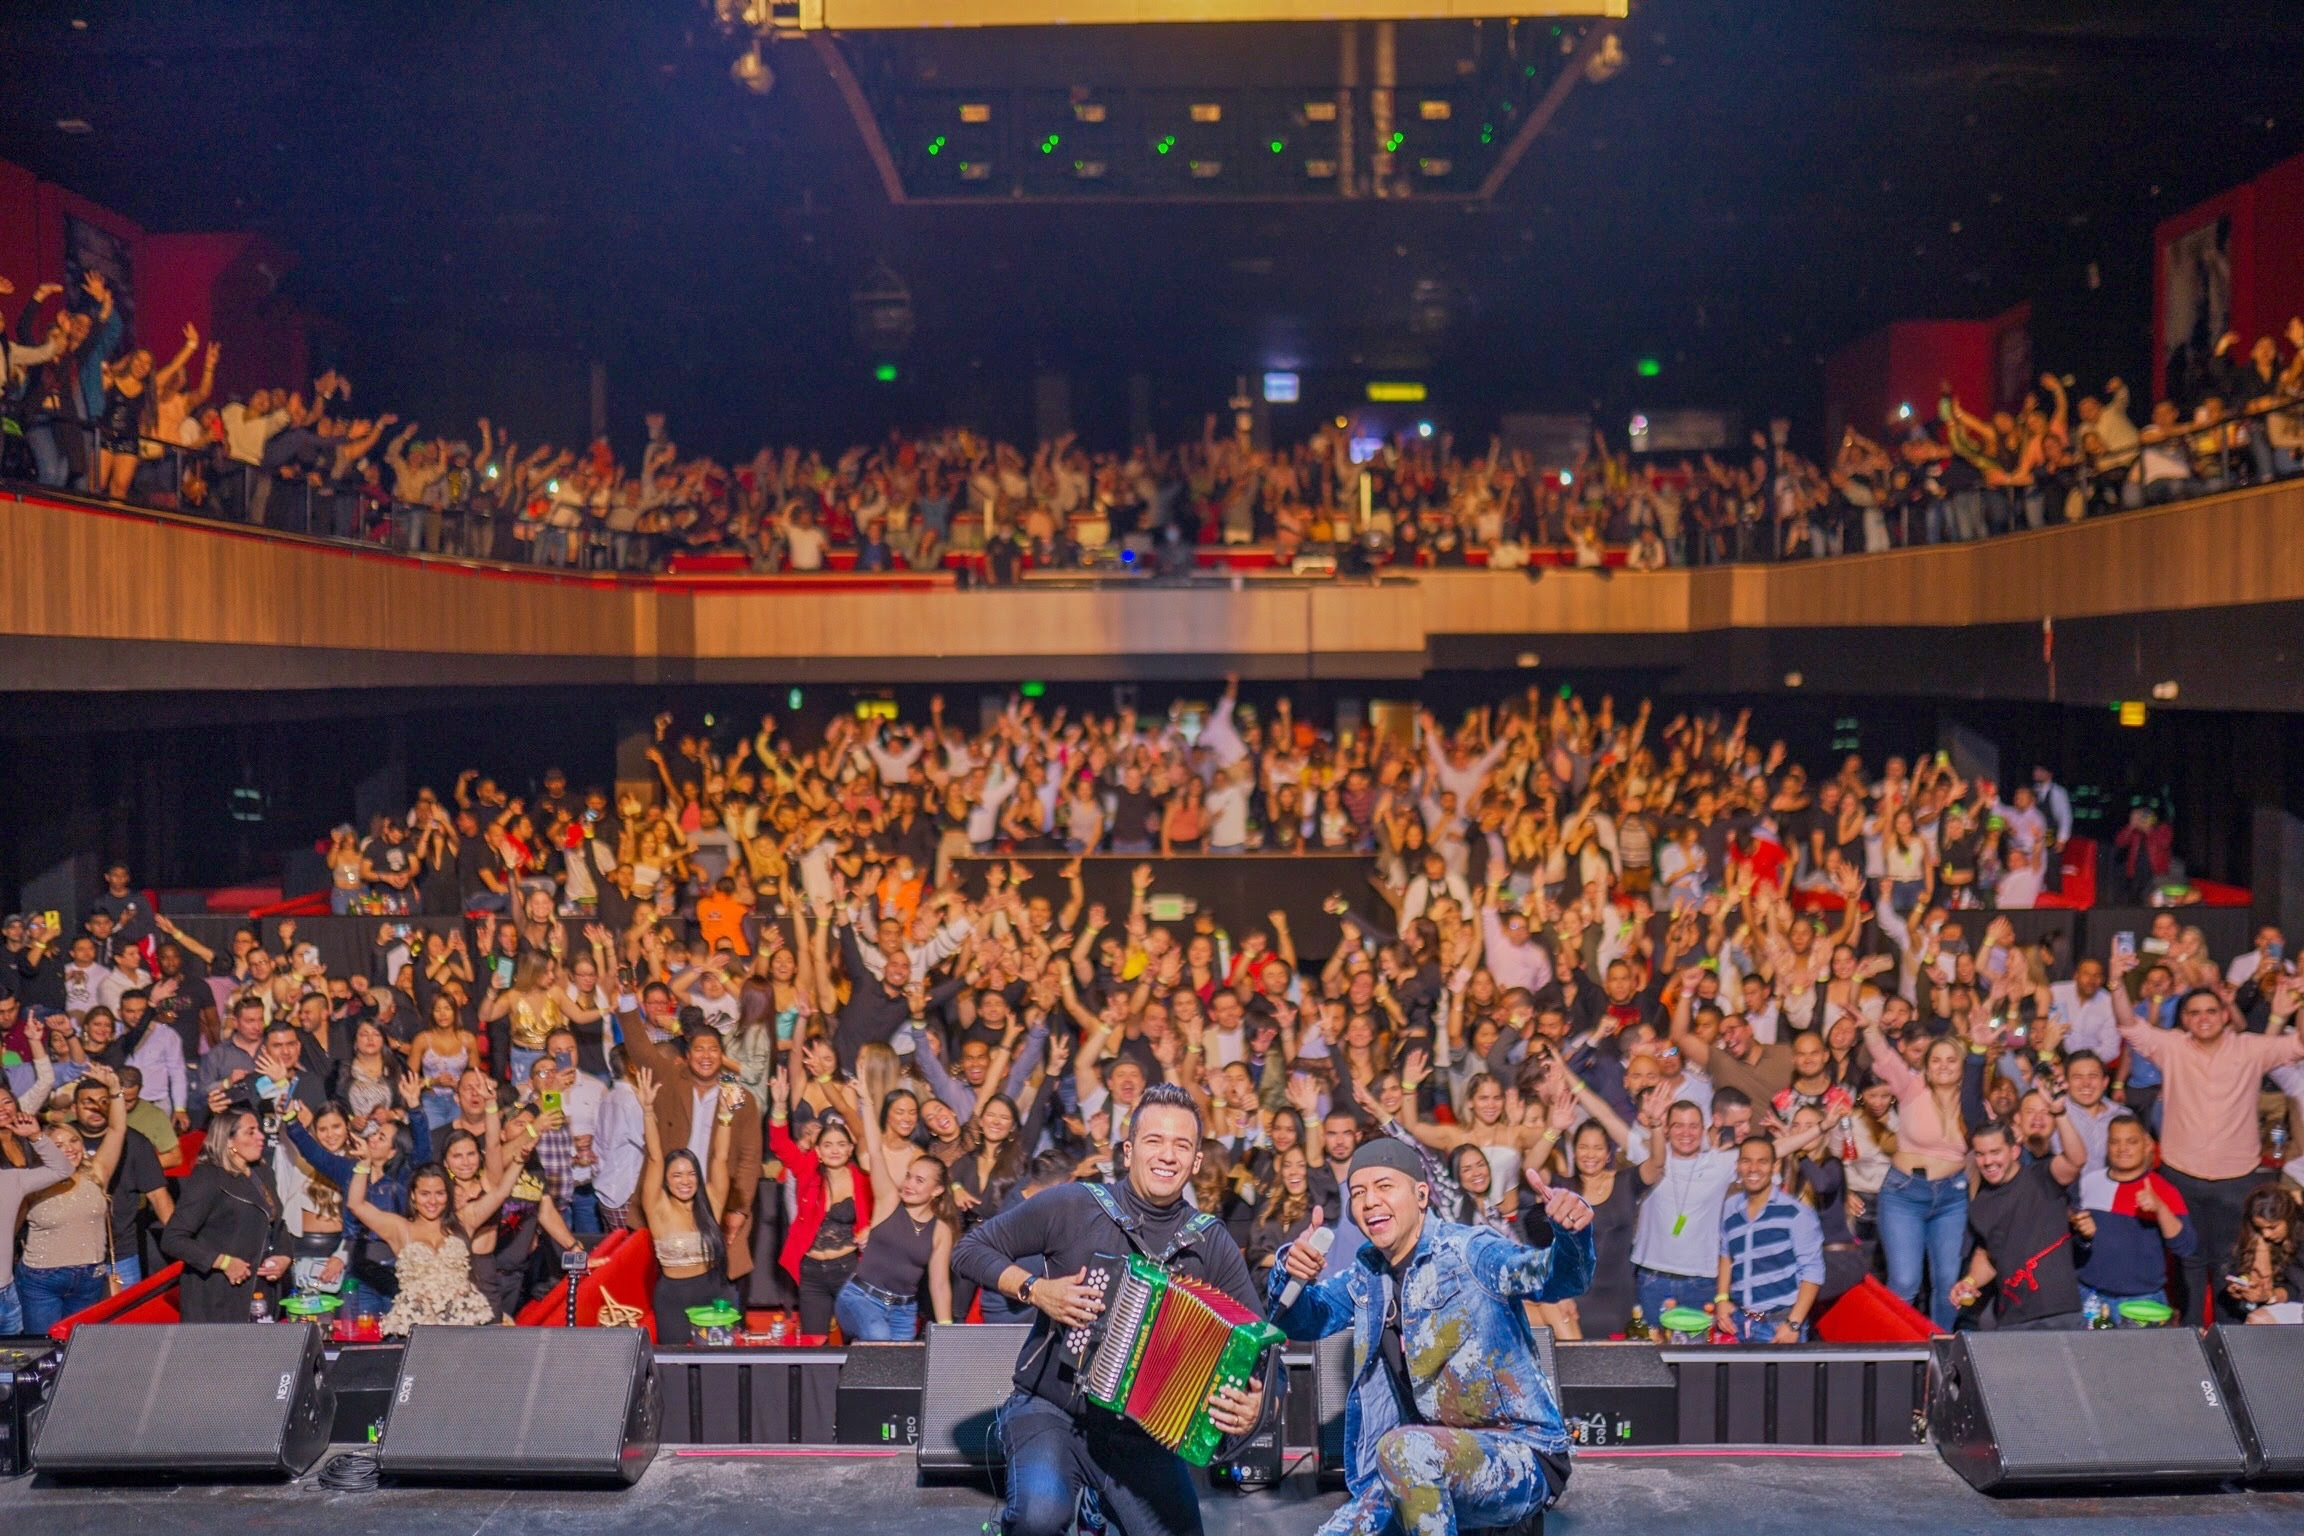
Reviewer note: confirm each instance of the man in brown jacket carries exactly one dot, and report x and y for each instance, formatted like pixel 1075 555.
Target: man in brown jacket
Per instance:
pixel 695 1096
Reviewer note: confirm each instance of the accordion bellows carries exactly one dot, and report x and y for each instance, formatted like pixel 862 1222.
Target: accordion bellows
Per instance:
pixel 1164 1342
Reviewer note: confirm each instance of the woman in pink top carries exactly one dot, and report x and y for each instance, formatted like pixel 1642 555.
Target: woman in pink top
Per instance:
pixel 2210 1146
pixel 1924 1198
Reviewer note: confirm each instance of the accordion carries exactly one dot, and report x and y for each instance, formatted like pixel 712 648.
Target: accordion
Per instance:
pixel 1163 1342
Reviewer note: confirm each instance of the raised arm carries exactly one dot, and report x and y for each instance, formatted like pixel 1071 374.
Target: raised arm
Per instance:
pixel 876 1159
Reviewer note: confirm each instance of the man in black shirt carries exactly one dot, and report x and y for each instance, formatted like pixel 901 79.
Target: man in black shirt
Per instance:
pixel 136 1180
pixel 876 1009
pixel 2023 1225
pixel 131 917
pixel 1134 810
pixel 1057 1442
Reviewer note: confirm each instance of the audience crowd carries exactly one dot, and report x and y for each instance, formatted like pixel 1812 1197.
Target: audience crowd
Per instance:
pixel 87 410
pixel 798 1016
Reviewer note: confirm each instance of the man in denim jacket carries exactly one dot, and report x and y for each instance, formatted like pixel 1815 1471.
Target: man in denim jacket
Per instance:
pixel 1451 1423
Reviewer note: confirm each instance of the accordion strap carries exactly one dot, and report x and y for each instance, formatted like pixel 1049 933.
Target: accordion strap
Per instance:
pixel 1200 1222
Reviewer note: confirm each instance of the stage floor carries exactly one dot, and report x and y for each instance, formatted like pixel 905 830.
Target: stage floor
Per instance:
pixel 712 1494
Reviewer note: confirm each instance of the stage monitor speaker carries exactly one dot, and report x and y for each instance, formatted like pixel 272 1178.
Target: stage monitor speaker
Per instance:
pixel 523 1405
pixel 27 1371
pixel 969 1375
pixel 2262 1373
pixel 2047 1412
pixel 1617 1395
pixel 205 1402
pixel 878 1401
pixel 1331 1390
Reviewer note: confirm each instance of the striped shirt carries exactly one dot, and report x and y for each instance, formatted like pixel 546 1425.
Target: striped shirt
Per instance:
pixel 1771 1254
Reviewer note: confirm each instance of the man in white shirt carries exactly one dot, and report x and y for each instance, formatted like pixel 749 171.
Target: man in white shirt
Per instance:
pixel 84 978
pixel 1514 957
pixel 1676 1247
pixel 2086 1009
pixel 1228 808
pixel 1430 884
pixel 2270 948
pixel 619 1144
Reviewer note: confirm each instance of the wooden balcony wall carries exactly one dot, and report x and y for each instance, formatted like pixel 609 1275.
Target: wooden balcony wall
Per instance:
pixel 94 598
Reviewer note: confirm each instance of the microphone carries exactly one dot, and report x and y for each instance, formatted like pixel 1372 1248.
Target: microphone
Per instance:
pixel 1322 1238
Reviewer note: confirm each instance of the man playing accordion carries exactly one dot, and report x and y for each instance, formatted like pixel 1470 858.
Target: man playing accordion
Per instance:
pixel 1451 1424
pixel 1057 1441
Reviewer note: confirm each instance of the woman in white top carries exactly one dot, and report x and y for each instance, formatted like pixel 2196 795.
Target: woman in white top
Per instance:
pixel 1491 1123
pixel 683 1204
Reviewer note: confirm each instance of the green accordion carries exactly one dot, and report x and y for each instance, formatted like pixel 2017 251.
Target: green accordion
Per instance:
pixel 1163 1342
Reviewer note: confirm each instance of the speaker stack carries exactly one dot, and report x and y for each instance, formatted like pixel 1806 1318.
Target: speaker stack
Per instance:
pixel 214 1402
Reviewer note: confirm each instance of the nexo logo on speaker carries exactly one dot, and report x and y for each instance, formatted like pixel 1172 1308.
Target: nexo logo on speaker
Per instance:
pixel 2208 1391
pixel 407 1385
pixel 287 1385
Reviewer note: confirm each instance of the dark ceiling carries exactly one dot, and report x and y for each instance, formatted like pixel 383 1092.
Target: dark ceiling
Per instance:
pixel 487 196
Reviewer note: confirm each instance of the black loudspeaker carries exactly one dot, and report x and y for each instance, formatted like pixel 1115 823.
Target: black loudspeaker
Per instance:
pixel 879 1394
pixel 969 1375
pixel 1331 1390
pixel 1617 1395
pixel 364 1377
pixel 2262 1373
pixel 26 1372
pixel 203 1402
pixel 2101 1410
pixel 523 1405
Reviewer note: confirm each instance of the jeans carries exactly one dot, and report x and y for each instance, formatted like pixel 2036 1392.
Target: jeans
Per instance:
pixel 1430 1478
pixel 1923 1222
pixel 2215 1209
pixel 439 1107
pixel 1760 1328
pixel 1659 1292
pixel 584 1211
pixel 129 1271
pixel 523 1063
pixel 2112 1304
pixel 48 460
pixel 1052 1456
pixel 865 1319
pixel 11 1311
pixel 51 1295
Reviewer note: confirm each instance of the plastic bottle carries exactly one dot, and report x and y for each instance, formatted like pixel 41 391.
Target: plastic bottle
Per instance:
pixel 2098 1313
pixel 259 1310
pixel 1638 1327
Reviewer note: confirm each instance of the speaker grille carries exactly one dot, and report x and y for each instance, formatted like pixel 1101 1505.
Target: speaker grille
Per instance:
pixel 545 1404
pixel 222 1398
pixel 2265 1372
pixel 969 1371
pixel 2122 1405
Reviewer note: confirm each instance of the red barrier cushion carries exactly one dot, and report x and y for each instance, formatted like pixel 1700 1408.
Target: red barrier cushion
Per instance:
pixel 1873 1314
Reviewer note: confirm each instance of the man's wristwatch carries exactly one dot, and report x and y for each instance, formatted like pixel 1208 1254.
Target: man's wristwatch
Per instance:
pixel 1024 1291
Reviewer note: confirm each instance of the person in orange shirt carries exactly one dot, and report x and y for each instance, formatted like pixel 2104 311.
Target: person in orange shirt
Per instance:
pixel 900 891
pixel 720 916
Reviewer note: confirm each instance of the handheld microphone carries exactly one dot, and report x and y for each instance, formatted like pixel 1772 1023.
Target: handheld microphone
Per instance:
pixel 1321 1238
